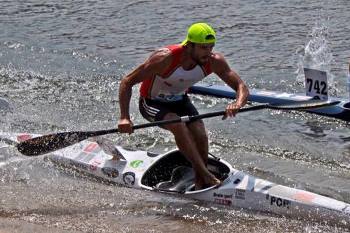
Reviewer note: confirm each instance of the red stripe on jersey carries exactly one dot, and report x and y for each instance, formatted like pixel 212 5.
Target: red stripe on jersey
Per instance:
pixel 176 51
pixel 207 68
pixel 146 87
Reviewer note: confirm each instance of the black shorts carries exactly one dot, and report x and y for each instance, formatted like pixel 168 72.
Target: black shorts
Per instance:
pixel 154 110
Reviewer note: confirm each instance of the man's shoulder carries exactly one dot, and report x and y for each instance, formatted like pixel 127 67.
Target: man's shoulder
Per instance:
pixel 217 59
pixel 160 55
pixel 160 60
pixel 168 51
pixel 217 56
pixel 218 63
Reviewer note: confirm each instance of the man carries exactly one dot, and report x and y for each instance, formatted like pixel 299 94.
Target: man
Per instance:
pixel 165 77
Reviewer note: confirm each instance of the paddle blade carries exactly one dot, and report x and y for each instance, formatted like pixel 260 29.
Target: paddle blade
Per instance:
pixel 48 143
pixel 303 105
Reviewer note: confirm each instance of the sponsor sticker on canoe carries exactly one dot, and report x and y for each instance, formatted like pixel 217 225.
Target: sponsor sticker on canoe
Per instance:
pixel 304 196
pixel 129 178
pixel 94 164
pixel 277 201
pixel 136 163
pixel 222 199
pixel 89 153
pixel 240 194
pixel 92 146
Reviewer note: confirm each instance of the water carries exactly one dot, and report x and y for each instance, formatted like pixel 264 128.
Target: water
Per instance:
pixel 60 66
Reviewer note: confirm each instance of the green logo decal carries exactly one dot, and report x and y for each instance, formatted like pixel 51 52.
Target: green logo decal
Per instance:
pixel 136 163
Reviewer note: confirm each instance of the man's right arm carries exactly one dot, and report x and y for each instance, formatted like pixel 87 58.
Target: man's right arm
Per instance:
pixel 155 64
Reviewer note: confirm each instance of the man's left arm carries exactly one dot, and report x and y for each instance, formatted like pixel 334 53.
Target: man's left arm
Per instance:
pixel 231 78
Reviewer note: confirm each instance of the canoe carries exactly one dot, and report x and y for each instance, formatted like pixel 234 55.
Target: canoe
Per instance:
pixel 340 111
pixel 172 174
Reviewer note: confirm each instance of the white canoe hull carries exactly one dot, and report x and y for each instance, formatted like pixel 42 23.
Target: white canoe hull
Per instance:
pixel 240 190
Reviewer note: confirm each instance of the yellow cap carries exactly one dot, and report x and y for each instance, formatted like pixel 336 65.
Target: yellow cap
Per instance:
pixel 200 33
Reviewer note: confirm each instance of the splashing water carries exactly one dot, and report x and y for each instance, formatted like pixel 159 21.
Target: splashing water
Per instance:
pixel 317 54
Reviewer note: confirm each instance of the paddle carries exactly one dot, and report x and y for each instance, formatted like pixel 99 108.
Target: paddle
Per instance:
pixel 47 143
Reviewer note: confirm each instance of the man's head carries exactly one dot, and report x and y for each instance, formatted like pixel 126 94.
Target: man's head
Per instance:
pixel 200 33
pixel 200 40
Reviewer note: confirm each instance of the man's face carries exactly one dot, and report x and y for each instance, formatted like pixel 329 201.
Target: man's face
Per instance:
pixel 200 53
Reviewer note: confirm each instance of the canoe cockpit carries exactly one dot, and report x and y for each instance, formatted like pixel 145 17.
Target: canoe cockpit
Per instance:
pixel 174 172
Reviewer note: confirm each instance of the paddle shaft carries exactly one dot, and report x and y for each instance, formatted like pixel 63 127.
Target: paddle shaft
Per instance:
pixel 171 121
pixel 47 143
pixel 176 120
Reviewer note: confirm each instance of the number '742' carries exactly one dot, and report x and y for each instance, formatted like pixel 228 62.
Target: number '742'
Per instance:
pixel 319 86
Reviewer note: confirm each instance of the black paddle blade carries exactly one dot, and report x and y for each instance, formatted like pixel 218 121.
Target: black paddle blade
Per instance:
pixel 303 105
pixel 48 143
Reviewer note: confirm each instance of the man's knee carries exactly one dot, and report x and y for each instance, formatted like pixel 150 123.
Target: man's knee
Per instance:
pixel 175 128
pixel 197 128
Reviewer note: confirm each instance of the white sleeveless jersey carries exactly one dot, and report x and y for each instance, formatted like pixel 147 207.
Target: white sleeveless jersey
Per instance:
pixel 173 84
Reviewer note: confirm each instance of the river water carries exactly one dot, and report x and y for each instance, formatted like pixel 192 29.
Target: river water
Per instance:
pixel 60 66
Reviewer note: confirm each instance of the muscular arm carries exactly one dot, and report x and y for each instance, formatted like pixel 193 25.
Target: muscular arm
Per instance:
pixel 231 78
pixel 155 64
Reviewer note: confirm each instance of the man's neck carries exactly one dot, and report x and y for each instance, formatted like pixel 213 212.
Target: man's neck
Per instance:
pixel 187 62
